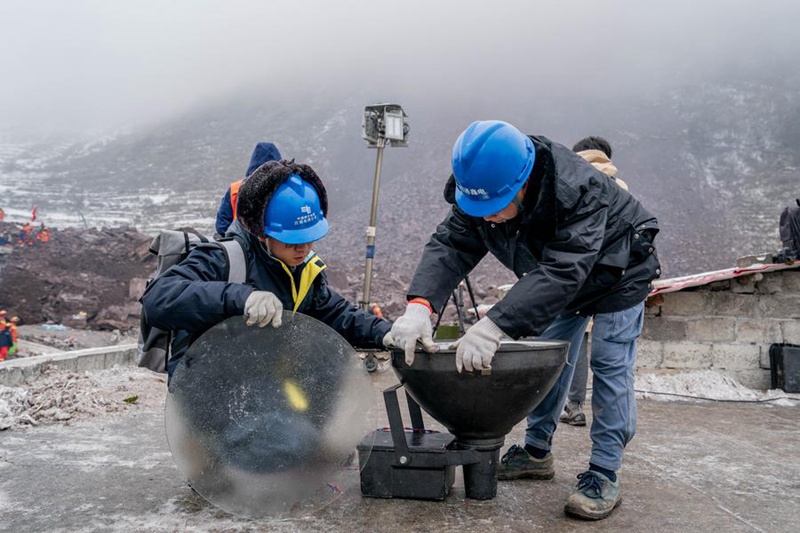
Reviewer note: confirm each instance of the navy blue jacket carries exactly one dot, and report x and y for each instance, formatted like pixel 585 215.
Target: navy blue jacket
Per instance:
pixel 582 245
pixel 194 295
pixel 262 153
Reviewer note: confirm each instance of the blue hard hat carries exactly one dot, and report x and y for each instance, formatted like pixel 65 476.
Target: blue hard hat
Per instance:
pixel 491 162
pixel 294 214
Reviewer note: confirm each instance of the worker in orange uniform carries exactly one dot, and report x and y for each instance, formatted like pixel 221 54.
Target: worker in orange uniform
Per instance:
pixel 25 234
pixel 43 235
pixel 5 341
pixel 12 328
pixel 262 153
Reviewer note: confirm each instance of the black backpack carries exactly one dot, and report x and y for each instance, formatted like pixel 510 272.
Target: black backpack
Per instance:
pixel 172 247
pixel 790 228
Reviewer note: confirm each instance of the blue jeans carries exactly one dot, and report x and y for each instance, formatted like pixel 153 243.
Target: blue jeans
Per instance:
pixel 613 398
pixel 577 390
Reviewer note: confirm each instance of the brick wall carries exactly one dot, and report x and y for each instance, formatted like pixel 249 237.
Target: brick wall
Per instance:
pixel 726 325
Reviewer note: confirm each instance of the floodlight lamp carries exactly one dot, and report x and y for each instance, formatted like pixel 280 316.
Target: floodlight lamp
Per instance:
pixel 393 121
pixel 386 125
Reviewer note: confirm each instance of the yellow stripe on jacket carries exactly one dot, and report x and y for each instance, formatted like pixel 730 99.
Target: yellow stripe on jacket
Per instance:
pixel 311 269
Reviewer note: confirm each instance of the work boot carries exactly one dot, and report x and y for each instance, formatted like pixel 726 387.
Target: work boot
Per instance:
pixel 573 414
pixel 518 464
pixel 595 498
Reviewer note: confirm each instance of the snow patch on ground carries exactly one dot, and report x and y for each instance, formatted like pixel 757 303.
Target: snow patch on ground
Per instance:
pixel 706 384
pixel 58 396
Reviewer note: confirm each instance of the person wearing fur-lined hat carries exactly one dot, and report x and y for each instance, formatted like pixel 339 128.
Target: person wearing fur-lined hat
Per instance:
pixel 282 210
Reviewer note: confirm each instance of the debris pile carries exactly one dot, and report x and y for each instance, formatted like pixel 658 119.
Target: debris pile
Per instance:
pixel 59 396
pixel 80 278
pixel 92 278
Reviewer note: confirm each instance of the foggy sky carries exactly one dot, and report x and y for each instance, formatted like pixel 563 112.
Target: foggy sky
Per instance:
pixel 78 65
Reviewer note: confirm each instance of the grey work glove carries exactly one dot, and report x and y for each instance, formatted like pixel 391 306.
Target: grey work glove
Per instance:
pixel 263 308
pixel 413 326
pixel 476 349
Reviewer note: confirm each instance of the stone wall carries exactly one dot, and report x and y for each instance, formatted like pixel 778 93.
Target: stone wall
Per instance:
pixel 17 371
pixel 726 325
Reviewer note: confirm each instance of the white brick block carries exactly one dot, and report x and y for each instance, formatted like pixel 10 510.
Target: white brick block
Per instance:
pixel 649 354
pixel 771 284
pixel 791 280
pixel 781 306
pixel 791 331
pixel 690 355
pixel 685 303
pixel 736 305
pixel 710 330
pixel 758 331
pixel 736 356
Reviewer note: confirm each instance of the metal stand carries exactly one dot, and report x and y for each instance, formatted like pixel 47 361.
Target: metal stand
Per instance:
pixel 384 125
pixel 419 464
pixel 371 229
pixel 458 301
pixel 369 362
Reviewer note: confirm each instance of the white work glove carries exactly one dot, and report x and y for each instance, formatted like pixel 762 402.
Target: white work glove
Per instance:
pixel 477 347
pixel 388 340
pixel 262 308
pixel 413 326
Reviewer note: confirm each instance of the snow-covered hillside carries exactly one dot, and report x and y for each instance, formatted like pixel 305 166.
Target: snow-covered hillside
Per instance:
pixel 715 163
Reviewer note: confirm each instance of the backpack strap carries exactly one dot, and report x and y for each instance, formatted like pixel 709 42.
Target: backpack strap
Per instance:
pixel 237 263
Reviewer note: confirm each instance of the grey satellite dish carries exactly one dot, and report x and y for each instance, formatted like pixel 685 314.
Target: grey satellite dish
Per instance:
pixel 264 422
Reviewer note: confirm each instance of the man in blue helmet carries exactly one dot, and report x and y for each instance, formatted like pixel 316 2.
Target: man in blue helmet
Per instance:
pixel 580 245
pixel 226 214
pixel 281 214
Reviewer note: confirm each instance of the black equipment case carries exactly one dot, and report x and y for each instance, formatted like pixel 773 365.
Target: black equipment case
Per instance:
pixel 784 364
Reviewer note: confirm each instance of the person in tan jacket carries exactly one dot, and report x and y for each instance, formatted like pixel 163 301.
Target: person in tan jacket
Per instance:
pixel 597 151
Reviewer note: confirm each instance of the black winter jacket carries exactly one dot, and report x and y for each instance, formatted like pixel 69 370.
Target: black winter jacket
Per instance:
pixel 194 295
pixel 581 245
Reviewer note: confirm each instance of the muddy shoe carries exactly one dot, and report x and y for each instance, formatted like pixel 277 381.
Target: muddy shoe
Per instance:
pixel 595 498
pixel 518 464
pixel 573 414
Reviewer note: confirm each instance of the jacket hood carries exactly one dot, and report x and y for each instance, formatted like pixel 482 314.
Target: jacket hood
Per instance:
pixel 600 161
pixel 257 190
pixel 262 153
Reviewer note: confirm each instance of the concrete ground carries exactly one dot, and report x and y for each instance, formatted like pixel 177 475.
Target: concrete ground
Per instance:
pixel 692 467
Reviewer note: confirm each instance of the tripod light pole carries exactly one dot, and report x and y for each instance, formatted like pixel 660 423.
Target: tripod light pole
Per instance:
pixel 371 229
pixel 383 124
